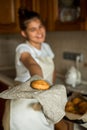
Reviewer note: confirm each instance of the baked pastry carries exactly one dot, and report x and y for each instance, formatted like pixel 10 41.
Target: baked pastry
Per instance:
pixel 77 106
pixel 70 107
pixel 40 84
pixel 76 100
pixel 82 107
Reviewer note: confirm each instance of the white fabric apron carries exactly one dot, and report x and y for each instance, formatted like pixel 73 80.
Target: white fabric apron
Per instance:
pixel 47 67
pixel 22 116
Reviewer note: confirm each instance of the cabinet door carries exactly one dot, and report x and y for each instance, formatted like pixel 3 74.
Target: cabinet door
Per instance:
pixel 64 125
pixel 46 8
pixel 9 16
pixel 2 102
pixel 39 6
pixel 69 16
pixel 42 8
pixel 28 4
pixel 50 13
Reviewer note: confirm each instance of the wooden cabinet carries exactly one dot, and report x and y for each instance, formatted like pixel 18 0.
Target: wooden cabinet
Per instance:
pixel 64 125
pixel 71 18
pixel 50 12
pixel 2 103
pixel 42 7
pixel 9 16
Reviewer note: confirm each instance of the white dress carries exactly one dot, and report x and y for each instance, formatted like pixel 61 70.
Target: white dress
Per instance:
pixel 22 116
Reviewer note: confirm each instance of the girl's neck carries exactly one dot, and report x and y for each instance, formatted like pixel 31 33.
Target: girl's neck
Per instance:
pixel 36 45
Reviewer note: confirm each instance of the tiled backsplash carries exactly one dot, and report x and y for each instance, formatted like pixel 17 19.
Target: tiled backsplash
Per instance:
pixel 59 41
pixel 8 44
pixel 74 41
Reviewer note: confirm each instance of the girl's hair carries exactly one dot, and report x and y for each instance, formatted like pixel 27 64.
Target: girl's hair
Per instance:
pixel 26 15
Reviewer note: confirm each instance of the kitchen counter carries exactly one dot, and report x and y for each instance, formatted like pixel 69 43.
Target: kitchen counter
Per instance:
pixel 81 88
pixel 79 127
pixel 6 80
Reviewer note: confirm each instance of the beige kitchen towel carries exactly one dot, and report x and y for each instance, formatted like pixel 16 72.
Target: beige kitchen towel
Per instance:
pixel 53 100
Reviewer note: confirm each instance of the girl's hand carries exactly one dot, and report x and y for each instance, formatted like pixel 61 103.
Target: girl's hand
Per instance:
pixel 36 106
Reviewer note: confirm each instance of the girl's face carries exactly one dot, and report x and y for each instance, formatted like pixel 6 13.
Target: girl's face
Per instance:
pixel 35 32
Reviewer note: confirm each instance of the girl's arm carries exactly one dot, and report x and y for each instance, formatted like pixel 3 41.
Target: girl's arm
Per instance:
pixel 31 64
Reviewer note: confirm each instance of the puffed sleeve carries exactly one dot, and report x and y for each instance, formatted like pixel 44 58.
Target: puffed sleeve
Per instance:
pixel 19 50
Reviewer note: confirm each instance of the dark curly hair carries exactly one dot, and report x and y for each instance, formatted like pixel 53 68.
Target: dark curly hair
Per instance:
pixel 26 15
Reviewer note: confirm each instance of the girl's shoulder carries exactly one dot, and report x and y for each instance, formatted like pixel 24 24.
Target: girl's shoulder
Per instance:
pixel 21 46
pixel 47 46
pixel 48 49
pixel 24 47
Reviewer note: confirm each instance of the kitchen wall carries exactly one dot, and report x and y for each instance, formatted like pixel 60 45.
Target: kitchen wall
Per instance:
pixel 74 41
pixel 70 42
pixel 8 44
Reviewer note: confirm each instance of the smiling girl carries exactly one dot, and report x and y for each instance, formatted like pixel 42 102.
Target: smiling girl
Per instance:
pixel 33 57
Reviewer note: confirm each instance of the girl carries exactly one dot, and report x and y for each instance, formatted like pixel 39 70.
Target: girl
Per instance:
pixel 34 57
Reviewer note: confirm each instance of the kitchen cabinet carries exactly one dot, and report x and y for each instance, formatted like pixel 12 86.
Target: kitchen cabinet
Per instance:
pixel 42 7
pixel 55 16
pixel 9 16
pixel 54 19
pixel 3 87
pixel 71 16
pixel 64 125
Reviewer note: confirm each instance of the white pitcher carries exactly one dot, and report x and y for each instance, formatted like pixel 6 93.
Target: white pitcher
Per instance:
pixel 73 77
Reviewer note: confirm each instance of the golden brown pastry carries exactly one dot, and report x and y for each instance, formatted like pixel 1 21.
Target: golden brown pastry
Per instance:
pixel 40 84
pixel 77 106
pixel 76 100
pixel 70 107
pixel 82 107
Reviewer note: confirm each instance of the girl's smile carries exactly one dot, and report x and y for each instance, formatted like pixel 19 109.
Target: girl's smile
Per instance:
pixel 35 32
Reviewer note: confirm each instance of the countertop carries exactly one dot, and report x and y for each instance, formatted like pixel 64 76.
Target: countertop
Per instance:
pixel 81 88
pixel 6 80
